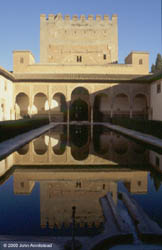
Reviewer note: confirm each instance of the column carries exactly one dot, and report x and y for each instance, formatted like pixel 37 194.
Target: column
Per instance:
pixel 111 113
pixel 68 121
pixel 68 112
pixel 91 114
pixel 91 122
pixel 130 113
pixel 131 103
pixel 31 100
pixel 31 103
pixel 111 95
pixel 49 103
pixel 91 105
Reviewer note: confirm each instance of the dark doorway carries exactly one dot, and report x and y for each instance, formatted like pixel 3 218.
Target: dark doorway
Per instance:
pixel 79 110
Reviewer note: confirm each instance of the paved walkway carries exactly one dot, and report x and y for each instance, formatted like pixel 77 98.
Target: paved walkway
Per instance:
pixel 9 146
pixel 135 134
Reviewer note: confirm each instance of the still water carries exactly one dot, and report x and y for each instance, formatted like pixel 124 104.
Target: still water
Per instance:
pixel 76 166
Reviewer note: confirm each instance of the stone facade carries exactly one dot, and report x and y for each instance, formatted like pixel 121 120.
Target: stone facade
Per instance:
pixel 156 99
pixel 6 96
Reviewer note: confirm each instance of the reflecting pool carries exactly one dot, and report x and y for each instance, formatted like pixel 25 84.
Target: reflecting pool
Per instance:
pixel 75 166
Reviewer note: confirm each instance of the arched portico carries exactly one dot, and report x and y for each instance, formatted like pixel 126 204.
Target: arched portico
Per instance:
pixel 140 106
pixel 40 147
pixel 71 101
pixel 41 106
pixel 121 106
pixel 80 109
pixel 22 105
pixel 58 111
pixel 101 108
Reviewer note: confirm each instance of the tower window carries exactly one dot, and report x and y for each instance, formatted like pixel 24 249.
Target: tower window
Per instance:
pixel 139 183
pixel 78 184
pixel 140 61
pixel 104 56
pixel 21 60
pixel 79 58
pixel 22 184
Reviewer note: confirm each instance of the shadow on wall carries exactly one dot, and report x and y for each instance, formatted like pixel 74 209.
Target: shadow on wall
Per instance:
pixel 130 101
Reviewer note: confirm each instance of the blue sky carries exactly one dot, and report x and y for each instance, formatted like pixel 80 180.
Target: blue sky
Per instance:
pixel 139 24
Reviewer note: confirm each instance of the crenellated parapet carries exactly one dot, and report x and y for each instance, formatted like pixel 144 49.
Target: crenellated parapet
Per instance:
pixel 81 18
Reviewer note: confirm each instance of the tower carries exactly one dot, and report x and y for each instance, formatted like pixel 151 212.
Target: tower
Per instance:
pixel 85 41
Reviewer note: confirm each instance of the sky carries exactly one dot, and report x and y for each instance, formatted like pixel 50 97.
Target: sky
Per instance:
pixel 139 24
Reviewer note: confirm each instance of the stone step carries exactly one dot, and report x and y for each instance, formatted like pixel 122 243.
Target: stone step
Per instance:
pixel 147 229
pixel 123 227
pixel 110 223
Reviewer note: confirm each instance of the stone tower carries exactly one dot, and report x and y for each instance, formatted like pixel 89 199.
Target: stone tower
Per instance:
pixel 87 41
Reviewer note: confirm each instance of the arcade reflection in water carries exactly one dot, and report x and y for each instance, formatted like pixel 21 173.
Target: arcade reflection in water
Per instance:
pixel 81 145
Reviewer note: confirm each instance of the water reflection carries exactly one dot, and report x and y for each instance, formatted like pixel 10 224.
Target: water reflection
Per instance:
pixel 23 150
pixel 79 142
pixel 75 167
pixel 60 190
pixel 79 145
pixel 155 160
pixel 5 167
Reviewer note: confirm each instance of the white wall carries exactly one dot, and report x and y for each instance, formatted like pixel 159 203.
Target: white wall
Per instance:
pixel 156 101
pixel 6 99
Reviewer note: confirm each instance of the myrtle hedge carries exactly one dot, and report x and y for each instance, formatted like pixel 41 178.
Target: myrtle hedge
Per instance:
pixel 9 129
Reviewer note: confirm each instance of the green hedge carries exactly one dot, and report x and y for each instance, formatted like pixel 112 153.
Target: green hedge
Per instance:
pixel 9 129
pixel 101 117
pixel 151 127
